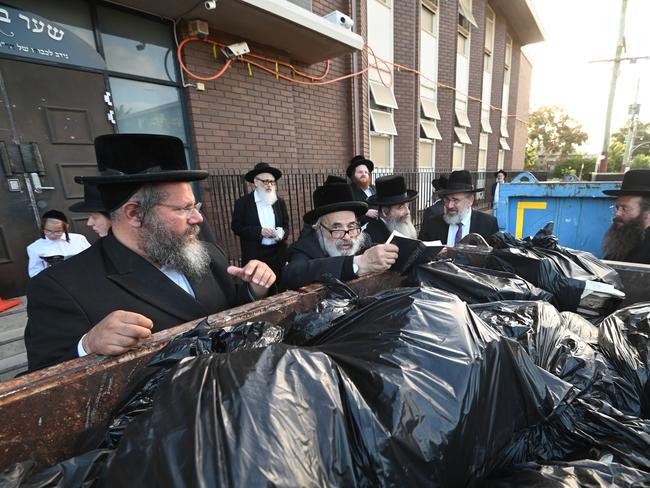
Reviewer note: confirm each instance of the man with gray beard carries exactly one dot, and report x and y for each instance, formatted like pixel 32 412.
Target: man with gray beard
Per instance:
pixel 332 242
pixel 261 220
pixel 149 273
pixel 393 200
pixel 628 238
pixel 458 219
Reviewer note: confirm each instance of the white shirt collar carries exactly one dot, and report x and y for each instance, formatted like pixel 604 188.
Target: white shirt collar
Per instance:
pixel 468 219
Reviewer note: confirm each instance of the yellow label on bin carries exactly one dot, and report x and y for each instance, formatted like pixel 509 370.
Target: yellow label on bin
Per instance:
pixel 521 207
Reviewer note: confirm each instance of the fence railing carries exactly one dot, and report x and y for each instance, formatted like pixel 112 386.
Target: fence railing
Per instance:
pixel 296 190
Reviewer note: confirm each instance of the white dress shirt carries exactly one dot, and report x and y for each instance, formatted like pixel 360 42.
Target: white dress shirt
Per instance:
pixel 57 247
pixel 453 228
pixel 267 218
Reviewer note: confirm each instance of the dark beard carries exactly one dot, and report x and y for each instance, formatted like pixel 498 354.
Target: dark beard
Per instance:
pixel 619 241
pixel 358 183
pixel 165 248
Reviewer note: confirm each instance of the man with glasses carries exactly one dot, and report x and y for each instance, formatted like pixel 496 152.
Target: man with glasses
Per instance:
pixel 332 242
pixel 149 273
pixel 52 247
pixel 458 218
pixel 261 220
pixel 628 238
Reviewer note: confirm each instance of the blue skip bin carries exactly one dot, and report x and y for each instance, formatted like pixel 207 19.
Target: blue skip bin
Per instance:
pixel 581 212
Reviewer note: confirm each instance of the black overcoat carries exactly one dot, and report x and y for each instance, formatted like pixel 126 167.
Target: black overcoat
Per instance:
pixel 64 302
pixel 436 229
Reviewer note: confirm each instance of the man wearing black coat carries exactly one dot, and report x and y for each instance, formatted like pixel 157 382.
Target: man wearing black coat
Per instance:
pixel 438 206
pixel 359 172
pixel 150 273
pixel 393 200
pixel 261 220
pixel 458 219
pixel 332 241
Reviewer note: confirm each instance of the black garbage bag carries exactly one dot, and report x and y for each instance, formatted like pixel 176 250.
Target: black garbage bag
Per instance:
pixel 475 285
pixel 584 473
pixel 565 345
pixel 390 394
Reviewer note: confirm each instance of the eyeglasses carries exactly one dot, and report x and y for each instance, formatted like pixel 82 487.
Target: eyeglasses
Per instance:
pixel 340 233
pixel 621 208
pixel 266 182
pixel 48 232
pixel 187 211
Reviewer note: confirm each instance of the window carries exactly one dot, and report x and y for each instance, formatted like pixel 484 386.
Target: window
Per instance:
pixel 458 157
pixel 382 95
pixel 508 55
pixel 489 29
pixel 461 114
pixel 429 108
pixel 503 142
pixel 501 158
pixel 506 88
pixel 382 122
pixel 427 154
pixel 465 12
pixel 486 89
pixel 482 152
pixel 380 151
pixel 462 136
pixel 428 20
pixel 429 130
pixel 137 46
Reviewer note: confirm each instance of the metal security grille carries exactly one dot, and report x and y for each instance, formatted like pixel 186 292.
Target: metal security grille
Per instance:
pixel 296 189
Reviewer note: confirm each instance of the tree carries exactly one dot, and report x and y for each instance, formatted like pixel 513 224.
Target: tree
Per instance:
pixel 553 134
pixel 641 138
pixel 640 147
pixel 579 165
pixel 615 155
pixel 530 158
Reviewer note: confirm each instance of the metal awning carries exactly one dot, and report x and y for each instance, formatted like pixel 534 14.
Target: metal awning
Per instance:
pixel 305 36
pixel 522 19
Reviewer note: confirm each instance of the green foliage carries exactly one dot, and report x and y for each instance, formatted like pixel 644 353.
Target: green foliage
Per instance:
pixel 640 161
pixel 641 139
pixel 530 159
pixel 615 156
pixel 578 165
pixel 553 133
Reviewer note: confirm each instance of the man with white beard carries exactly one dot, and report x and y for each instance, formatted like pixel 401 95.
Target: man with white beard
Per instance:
pixel 149 273
pixel 393 200
pixel 261 220
pixel 458 218
pixel 333 242
pixel 628 238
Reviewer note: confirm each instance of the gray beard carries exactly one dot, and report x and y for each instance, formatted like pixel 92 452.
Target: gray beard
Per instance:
pixel 620 241
pixel 331 250
pixel 404 227
pixel 455 219
pixel 164 248
pixel 268 197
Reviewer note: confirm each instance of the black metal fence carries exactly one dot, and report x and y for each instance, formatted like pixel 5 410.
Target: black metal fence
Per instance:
pixel 296 189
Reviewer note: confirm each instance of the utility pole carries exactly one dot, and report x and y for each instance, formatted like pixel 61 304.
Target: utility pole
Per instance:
pixel 612 88
pixel 631 131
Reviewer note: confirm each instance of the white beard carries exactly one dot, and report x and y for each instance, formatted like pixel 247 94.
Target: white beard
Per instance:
pixel 330 248
pixel 267 197
pixel 455 219
pixel 404 227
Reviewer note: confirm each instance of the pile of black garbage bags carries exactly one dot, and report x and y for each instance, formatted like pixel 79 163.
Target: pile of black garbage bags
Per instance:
pixel 498 375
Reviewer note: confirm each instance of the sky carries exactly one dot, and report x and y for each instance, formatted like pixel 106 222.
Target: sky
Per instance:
pixel 580 31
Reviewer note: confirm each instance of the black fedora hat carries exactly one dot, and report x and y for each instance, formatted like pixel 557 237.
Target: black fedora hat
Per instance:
pixel 334 196
pixel 635 182
pixel 459 182
pixel 92 201
pixel 128 161
pixel 439 183
pixel 391 190
pixel 358 161
pixel 262 168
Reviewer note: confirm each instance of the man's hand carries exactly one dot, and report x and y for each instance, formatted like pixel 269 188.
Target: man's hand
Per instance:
pixel 257 274
pixel 376 259
pixel 116 333
pixel 268 232
pixel 372 213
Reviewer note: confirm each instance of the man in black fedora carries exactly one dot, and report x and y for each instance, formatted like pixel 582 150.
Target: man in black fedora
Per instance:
pixel 458 218
pixel 392 199
pixel 261 220
pixel 332 241
pixel 98 218
pixel 628 238
pixel 359 172
pixel 500 177
pixel 149 273
pixel 438 206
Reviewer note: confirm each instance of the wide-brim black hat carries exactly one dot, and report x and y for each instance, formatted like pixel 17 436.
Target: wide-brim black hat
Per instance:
pixel 459 182
pixel 262 168
pixel 496 173
pixel 334 196
pixel 439 183
pixel 92 201
pixel 636 182
pixel 391 190
pixel 358 161
pixel 128 161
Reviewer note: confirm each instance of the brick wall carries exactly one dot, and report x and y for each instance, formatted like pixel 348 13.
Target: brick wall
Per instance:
pixel 477 40
pixel 523 108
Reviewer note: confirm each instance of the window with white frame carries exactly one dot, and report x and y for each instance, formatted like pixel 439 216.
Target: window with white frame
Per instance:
pixel 382 100
pixel 462 78
pixel 428 82
pixel 486 90
pixel 458 157
pixel 501 158
pixel 482 160
pixel 506 92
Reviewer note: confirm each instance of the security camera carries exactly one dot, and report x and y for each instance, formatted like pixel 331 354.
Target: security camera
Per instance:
pixel 210 4
pixel 340 19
